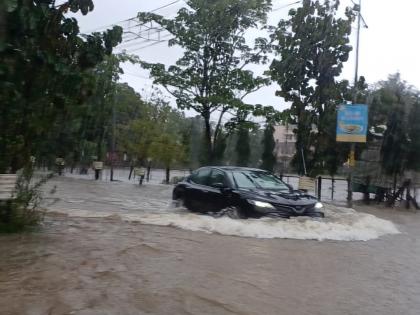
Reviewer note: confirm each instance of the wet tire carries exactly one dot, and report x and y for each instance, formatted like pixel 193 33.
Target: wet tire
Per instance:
pixel 316 215
pixel 235 213
pixel 278 216
pixel 179 201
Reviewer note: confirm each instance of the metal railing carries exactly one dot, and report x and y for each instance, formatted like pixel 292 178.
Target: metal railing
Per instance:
pixel 327 188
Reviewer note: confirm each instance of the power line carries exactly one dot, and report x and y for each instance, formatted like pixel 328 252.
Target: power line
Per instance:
pixel 137 75
pixel 136 36
pixel 146 46
pixel 133 37
pixel 142 41
pixel 142 46
pixel 133 18
pixel 286 6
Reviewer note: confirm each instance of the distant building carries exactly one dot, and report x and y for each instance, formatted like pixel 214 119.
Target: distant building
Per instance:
pixel 285 149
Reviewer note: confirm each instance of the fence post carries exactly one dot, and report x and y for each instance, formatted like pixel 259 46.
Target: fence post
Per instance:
pixel 319 187
pixel 366 195
pixel 332 187
pixel 349 191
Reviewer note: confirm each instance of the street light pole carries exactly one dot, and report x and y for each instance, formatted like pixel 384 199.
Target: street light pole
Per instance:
pixel 356 79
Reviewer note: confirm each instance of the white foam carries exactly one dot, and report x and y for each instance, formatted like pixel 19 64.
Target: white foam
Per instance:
pixel 339 224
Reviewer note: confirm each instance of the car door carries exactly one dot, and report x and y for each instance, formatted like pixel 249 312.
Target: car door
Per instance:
pixel 197 189
pixel 216 198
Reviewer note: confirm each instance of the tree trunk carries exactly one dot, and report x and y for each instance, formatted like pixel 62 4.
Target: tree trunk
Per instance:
pixel 168 170
pixel 366 195
pixel 131 171
pixel 99 146
pixel 148 172
pixel 395 184
pixel 207 138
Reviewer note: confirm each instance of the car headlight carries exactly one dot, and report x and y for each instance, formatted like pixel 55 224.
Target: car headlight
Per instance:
pixel 319 206
pixel 261 204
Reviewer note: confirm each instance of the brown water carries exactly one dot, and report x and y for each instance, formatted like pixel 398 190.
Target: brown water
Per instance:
pixel 105 266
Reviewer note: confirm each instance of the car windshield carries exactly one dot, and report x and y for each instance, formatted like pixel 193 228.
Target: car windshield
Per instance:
pixel 258 179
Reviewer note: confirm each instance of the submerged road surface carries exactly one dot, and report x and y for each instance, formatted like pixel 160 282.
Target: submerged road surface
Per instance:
pixel 112 265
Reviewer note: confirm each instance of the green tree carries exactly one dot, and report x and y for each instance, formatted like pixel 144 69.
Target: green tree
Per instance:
pixel 155 126
pixel 393 102
pixel 242 148
pixel 413 162
pixel 167 150
pixel 256 136
pixel 268 156
pixel 196 137
pixel 44 72
pixel 394 148
pixel 313 45
pixel 211 76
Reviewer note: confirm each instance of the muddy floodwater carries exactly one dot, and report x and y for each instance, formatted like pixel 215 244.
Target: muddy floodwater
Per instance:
pixel 116 248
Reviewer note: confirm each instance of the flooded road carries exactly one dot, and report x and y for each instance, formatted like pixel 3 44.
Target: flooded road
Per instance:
pixel 111 265
pixel 152 204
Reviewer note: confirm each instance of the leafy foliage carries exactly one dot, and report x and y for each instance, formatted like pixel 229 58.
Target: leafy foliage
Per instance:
pixel 211 77
pixel 44 72
pixel 392 103
pixel 413 161
pixel 156 132
pixel 268 156
pixel 243 150
pixel 23 211
pixel 312 45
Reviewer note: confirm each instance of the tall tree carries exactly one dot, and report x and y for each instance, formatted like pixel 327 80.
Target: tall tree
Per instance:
pixel 168 150
pixel 155 130
pixel 313 45
pixel 394 148
pixel 44 71
pixel 242 148
pixel 268 155
pixel 393 102
pixel 211 77
pixel 413 162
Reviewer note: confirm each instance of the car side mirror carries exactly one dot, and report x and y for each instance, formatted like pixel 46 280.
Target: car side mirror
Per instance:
pixel 290 187
pixel 219 185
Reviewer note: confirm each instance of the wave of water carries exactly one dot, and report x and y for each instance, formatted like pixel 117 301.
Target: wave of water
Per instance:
pixel 340 224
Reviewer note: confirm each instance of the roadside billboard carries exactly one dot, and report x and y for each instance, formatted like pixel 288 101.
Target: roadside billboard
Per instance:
pixel 352 123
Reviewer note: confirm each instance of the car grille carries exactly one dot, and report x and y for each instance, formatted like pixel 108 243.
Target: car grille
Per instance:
pixel 296 209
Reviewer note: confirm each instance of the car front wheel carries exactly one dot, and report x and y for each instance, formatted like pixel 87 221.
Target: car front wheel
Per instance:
pixel 235 212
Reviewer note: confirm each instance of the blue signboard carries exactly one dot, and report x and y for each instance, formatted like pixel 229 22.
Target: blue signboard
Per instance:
pixel 352 123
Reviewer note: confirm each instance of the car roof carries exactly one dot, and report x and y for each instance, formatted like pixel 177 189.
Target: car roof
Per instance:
pixel 236 168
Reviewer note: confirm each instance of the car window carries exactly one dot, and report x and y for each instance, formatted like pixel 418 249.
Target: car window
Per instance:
pixel 243 181
pixel 269 181
pixel 252 179
pixel 217 177
pixel 201 176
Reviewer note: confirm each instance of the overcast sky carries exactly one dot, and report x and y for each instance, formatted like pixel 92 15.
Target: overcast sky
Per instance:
pixel 389 44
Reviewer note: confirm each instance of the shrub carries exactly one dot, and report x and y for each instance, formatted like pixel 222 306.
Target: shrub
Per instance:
pixel 24 210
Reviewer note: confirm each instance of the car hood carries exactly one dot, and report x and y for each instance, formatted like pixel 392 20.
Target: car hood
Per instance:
pixel 294 197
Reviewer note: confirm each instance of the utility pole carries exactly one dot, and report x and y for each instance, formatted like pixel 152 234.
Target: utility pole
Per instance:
pixel 356 70
pixel 113 136
pixel 356 79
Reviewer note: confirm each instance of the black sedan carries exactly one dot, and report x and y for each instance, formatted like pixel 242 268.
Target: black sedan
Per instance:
pixel 244 193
